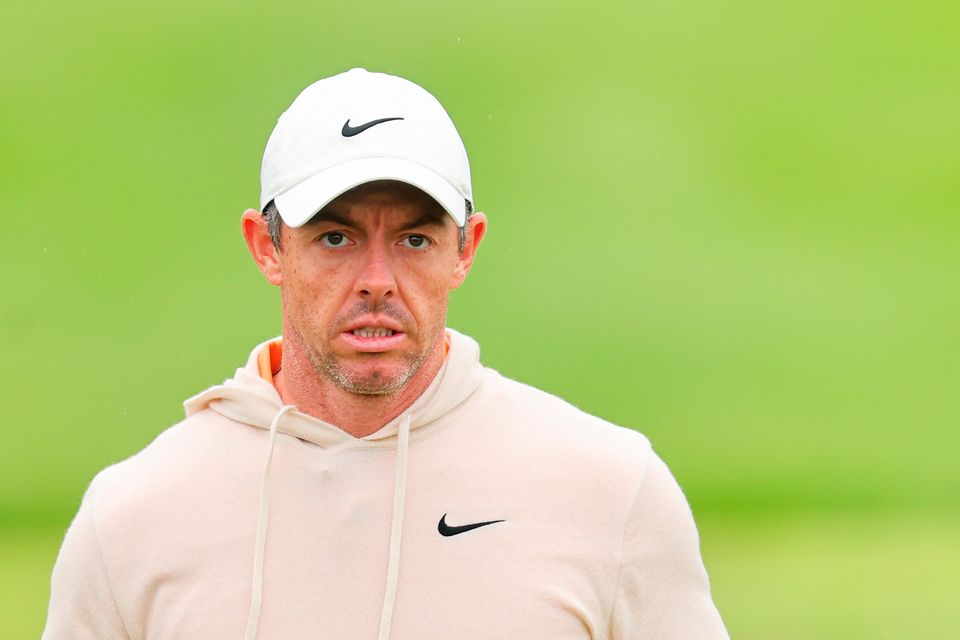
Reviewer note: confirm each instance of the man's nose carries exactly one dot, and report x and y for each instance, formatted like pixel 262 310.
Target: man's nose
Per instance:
pixel 376 281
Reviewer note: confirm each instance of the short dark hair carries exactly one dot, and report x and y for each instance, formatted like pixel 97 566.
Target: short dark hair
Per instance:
pixel 272 216
pixel 275 223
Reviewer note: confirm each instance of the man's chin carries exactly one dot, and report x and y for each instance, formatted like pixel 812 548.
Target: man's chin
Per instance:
pixel 365 381
pixel 371 374
pixel 372 385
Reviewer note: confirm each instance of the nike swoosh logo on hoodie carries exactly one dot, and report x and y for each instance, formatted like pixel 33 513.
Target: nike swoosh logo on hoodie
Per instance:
pixel 449 530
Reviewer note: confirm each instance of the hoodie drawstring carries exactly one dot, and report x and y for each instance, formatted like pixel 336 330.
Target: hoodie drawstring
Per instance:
pixel 399 497
pixel 256 590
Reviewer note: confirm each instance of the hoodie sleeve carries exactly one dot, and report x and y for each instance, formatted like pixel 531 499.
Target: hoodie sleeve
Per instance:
pixel 662 591
pixel 82 606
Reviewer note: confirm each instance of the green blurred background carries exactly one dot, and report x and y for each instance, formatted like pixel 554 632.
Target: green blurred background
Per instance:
pixel 732 226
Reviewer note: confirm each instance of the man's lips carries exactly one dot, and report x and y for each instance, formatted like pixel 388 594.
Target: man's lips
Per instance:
pixel 372 338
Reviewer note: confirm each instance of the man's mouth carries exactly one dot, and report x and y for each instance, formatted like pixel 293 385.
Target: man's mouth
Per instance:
pixel 373 338
pixel 372 332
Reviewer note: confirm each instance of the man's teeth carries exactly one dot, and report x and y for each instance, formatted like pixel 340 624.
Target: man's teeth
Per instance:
pixel 372 332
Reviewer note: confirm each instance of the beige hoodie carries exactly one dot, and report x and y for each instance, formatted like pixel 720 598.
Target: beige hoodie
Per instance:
pixel 252 520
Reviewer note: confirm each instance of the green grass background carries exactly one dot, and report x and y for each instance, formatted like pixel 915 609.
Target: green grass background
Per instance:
pixel 733 226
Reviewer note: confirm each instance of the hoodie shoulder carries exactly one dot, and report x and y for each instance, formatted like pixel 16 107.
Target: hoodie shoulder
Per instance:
pixel 195 456
pixel 565 431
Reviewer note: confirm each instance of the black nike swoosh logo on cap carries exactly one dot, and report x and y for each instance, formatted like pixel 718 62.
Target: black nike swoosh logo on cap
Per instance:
pixel 349 132
pixel 447 530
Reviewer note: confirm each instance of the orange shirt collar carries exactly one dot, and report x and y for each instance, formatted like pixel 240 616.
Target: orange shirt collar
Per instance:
pixel 268 360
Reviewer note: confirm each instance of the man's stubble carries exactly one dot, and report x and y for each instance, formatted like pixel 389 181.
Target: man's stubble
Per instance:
pixel 328 366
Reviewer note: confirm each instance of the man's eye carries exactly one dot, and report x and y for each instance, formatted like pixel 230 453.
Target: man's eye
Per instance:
pixel 416 242
pixel 333 239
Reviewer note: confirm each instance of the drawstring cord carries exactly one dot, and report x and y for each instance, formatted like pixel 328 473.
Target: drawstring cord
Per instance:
pixel 399 497
pixel 256 590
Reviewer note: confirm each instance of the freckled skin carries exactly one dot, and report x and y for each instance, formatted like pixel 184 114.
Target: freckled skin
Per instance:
pixel 366 263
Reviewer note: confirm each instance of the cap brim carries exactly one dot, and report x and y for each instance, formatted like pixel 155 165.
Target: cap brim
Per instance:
pixel 302 201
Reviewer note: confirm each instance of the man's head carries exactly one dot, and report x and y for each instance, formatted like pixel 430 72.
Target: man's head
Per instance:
pixel 366 229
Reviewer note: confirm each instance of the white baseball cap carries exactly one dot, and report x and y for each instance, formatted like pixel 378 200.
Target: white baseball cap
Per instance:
pixel 357 127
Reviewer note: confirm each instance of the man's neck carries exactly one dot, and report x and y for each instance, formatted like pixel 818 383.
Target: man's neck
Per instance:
pixel 299 384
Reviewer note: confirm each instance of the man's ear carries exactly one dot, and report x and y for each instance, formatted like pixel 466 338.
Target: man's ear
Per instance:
pixel 257 235
pixel 476 229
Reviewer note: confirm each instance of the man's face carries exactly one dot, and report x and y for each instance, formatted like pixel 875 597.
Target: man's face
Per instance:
pixel 365 285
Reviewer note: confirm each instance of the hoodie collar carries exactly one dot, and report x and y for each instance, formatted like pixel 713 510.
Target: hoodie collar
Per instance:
pixel 249 399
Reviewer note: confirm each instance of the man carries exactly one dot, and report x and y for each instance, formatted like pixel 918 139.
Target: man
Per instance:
pixel 364 476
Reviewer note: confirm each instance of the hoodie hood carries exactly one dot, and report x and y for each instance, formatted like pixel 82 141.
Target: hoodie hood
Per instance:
pixel 249 399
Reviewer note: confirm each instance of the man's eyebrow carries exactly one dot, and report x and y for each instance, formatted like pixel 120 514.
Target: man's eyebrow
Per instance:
pixel 428 219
